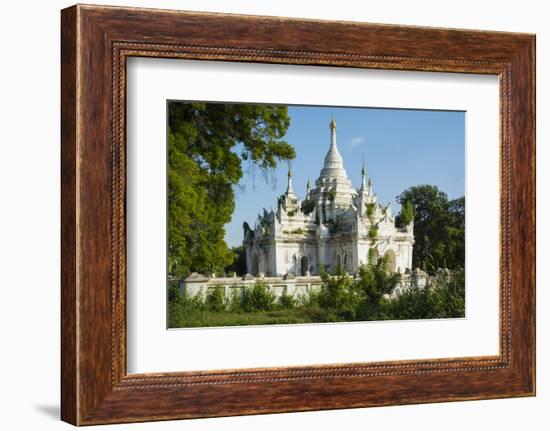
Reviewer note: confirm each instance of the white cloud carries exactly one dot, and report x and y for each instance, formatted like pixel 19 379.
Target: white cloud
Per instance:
pixel 356 141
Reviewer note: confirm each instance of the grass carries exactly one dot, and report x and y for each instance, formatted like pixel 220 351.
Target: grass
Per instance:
pixel 206 318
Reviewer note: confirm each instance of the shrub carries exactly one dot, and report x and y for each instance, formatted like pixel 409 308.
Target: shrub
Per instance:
pixel 215 299
pixel 370 209
pixel 337 296
pixel 287 301
pixel 235 300
pixel 444 299
pixel 373 232
pixel 257 298
pixel 372 283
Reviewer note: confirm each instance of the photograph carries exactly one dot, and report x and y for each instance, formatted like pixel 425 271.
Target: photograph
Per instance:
pixel 309 215
pixel 295 214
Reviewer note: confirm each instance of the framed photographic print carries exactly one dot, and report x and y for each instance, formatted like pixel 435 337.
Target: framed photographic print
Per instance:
pixel 267 215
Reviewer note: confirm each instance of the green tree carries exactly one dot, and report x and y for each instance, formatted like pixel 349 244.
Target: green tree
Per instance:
pixel 406 215
pixel 239 261
pixel 207 143
pixel 438 227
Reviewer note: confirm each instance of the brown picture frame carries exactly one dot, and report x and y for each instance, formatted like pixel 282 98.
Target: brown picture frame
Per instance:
pixel 95 43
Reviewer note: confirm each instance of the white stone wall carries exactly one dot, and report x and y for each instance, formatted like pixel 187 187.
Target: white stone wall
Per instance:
pixel 278 285
pixel 291 286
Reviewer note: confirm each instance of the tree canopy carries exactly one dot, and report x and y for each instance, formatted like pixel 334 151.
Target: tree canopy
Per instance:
pixel 439 227
pixel 207 143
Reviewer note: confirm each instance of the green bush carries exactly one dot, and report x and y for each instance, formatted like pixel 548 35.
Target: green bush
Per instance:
pixel 370 209
pixel 257 298
pixel 373 232
pixel 235 299
pixel 337 296
pixel 215 299
pixel 444 299
pixel 287 301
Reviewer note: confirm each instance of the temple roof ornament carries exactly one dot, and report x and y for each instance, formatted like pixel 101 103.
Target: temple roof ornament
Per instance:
pixel 289 190
pixel 363 172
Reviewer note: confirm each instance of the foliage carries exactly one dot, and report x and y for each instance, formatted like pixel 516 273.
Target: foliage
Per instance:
pixel 406 216
pixel 340 298
pixel 308 205
pixel 438 228
pixel 215 299
pixel 373 232
pixel 337 296
pixel 203 167
pixel 370 209
pixel 286 301
pixel 257 298
pixel 173 291
pixel 331 194
pixel 446 299
pixel 374 281
pixel 238 265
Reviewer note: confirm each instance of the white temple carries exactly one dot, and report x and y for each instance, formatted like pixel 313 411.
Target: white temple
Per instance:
pixel 335 224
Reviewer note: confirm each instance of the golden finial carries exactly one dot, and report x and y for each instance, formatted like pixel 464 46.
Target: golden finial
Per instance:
pixel 332 123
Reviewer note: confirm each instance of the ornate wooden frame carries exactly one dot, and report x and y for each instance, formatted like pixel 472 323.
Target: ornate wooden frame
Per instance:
pixel 95 43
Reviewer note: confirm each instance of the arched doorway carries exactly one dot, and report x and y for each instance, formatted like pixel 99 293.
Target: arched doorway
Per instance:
pixel 304 266
pixel 390 261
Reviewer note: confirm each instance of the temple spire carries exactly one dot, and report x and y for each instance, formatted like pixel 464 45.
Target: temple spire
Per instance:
pixel 363 172
pixel 289 190
pixel 334 165
pixel 333 134
pixel 333 124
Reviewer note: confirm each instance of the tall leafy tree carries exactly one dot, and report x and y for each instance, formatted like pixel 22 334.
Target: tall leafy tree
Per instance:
pixel 207 143
pixel 239 261
pixel 439 227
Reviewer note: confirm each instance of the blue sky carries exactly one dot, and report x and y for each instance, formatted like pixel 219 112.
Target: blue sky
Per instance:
pixel 402 148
